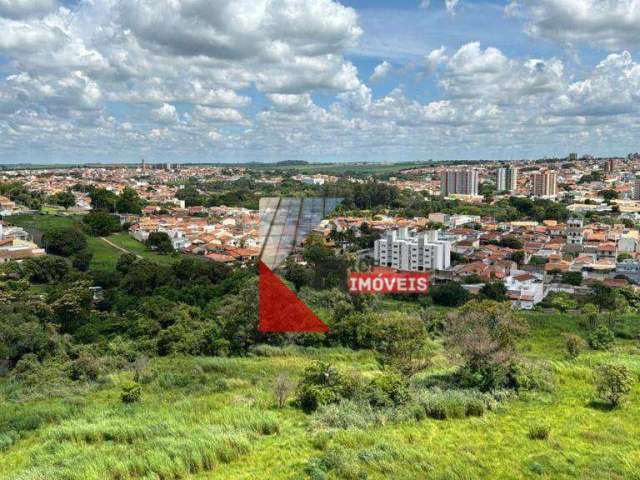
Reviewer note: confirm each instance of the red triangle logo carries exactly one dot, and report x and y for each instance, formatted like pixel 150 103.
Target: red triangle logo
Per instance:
pixel 280 310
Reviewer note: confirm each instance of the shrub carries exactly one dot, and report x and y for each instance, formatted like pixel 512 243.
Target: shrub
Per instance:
pixel 613 382
pixel 573 345
pixel 601 338
pixel 282 388
pixel 85 367
pixel 539 432
pixel 400 341
pixel 532 376
pixel 131 393
pixel 484 334
pixel 323 384
pixel 386 390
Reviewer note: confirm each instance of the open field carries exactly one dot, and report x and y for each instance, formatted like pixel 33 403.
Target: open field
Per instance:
pixel 215 418
pixel 105 256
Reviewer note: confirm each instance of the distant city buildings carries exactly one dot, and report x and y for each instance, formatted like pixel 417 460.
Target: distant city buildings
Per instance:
pixel 459 182
pixel 636 189
pixel 609 165
pixel 407 250
pixel 507 179
pixel 544 185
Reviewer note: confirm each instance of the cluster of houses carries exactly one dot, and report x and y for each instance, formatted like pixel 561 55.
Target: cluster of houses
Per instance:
pixel 16 244
pixel 221 234
pixel 530 258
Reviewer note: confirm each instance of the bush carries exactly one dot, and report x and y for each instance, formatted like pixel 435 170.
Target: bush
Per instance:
pixel 282 388
pixel 484 335
pixel 387 390
pixel 85 367
pixel 323 384
pixel 573 345
pixel 539 432
pixel 601 338
pixel 131 393
pixel 613 382
pixel 399 340
pixel 531 376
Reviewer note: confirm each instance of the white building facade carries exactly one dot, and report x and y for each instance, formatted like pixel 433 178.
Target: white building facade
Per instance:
pixel 507 179
pixel 411 251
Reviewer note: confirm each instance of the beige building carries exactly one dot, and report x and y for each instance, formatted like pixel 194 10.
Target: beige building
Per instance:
pixel 544 185
pixel 460 182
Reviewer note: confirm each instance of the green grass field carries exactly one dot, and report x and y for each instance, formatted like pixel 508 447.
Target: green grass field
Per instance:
pixel 105 256
pixel 215 418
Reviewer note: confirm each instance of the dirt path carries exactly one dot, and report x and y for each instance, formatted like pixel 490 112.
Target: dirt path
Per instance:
pixel 117 247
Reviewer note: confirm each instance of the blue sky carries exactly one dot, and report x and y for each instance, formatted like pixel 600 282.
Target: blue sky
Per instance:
pixel 251 80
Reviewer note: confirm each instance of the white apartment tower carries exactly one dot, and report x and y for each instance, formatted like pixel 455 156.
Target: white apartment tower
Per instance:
pixel 460 182
pixel 544 185
pixel 410 251
pixel 507 179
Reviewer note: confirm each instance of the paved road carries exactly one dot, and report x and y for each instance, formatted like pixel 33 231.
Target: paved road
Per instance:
pixel 118 247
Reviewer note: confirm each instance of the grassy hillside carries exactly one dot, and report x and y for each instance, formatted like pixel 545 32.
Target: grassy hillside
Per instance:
pixel 215 418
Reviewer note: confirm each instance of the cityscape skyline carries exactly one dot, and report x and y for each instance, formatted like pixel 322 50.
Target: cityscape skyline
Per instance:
pixel 322 81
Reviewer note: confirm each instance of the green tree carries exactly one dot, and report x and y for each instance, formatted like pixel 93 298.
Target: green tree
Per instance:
pixel 65 199
pixel 511 242
pixel 101 223
pixel 494 291
pixel 103 199
pixel 82 260
pixel 160 242
pixel 125 261
pixel 518 257
pixel 601 338
pixel 45 269
pixel 400 341
pixel 297 274
pixel 239 319
pixel 572 278
pixel 449 294
pixel 608 195
pixel 128 201
pixel 65 241
pixel 484 335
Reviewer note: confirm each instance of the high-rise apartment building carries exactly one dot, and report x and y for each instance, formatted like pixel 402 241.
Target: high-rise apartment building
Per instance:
pixel 544 185
pixel 410 251
pixel 609 165
pixel 636 189
pixel 460 182
pixel 507 179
